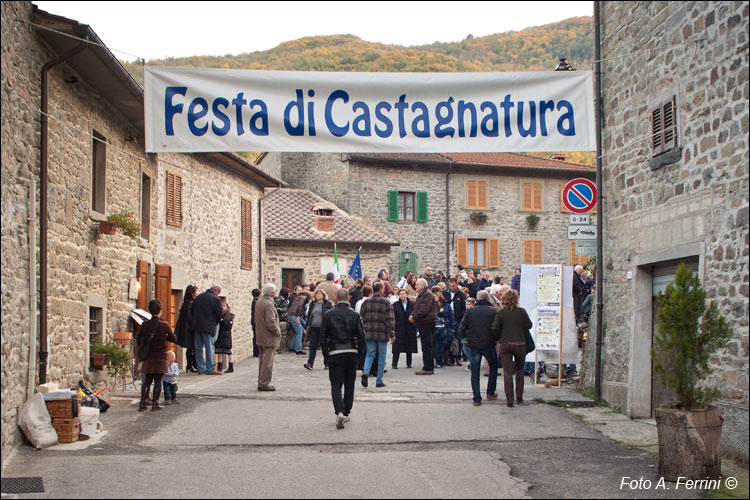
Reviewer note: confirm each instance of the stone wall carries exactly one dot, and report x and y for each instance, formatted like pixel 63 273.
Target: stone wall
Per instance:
pixel 205 251
pixel 280 255
pixel 88 269
pixel 695 206
pixel 326 174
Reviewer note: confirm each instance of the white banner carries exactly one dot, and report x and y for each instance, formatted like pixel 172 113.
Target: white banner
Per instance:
pixel 200 110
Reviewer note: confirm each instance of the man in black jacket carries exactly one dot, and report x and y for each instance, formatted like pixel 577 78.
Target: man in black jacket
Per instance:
pixel 342 339
pixel 476 332
pixel 456 299
pixel 207 313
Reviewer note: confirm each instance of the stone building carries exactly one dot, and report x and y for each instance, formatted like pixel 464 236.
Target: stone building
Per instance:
pixel 198 213
pixel 300 229
pixel 426 202
pixel 675 162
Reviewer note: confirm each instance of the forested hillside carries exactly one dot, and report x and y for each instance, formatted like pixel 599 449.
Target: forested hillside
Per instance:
pixel 532 49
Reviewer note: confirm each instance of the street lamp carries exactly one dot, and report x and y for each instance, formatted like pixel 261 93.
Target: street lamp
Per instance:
pixel 406 253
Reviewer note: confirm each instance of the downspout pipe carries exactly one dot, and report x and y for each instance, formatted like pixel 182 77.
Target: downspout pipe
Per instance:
pixel 33 305
pixel 599 210
pixel 43 210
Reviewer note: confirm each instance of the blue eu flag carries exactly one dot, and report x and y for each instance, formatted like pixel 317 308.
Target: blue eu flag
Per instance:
pixel 355 272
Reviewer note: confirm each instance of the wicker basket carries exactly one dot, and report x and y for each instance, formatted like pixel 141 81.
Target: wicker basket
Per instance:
pixel 67 429
pixel 66 408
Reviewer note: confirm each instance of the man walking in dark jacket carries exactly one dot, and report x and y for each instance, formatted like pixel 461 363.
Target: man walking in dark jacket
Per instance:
pixel 424 316
pixel 342 339
pixel 207 313
pixel 476 332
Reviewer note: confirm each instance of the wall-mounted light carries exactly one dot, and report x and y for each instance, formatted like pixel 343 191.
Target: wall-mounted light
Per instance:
pixel 73 80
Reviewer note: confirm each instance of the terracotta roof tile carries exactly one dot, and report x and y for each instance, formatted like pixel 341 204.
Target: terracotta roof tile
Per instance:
pixel 289 216
pixel 513 160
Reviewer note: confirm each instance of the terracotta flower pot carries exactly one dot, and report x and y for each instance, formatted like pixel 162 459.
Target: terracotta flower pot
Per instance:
pixel 98 360
pixel 106 228
pixel 122 338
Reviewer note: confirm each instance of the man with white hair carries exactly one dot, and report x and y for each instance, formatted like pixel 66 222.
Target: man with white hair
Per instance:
pixel 269 335
pixel 424 316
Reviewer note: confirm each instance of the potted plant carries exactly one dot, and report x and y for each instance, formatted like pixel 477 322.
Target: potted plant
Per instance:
pixel 689 332
pixel 99 356
pixel 119 361
pixel 532 221
pixel 126 222
pixel 478 217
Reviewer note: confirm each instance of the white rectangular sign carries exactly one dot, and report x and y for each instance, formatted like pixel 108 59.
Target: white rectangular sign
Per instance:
pixel 582 232
pixel 579 219
pixel 200 110
pixel 585 248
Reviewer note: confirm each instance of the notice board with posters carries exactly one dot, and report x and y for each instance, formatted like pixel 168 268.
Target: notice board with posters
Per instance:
pixel 544 314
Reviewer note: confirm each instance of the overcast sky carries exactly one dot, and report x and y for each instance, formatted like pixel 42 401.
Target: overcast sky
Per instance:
pixel 155 30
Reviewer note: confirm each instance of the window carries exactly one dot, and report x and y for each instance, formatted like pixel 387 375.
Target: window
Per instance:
pixel 576 259
pixel 174 199
pixel 145 206
pixel 532 252
pixel 664 127
pixel 96 316
pixel 531 196
pixel 98 172
pixel 476 194
pixel 478 253
pixel 291 278
pixel 404 206
pixel 246 230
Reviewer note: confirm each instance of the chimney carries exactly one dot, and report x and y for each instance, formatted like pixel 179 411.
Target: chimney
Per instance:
pixel 323 219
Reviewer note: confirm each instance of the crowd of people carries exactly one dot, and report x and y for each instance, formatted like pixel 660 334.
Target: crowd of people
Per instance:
pixel 465 318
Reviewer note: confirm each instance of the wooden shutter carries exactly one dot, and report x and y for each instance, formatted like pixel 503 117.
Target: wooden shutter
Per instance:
pixel 163 288
pixel 532 252
pixel 141 271
pixel 657 132
pixel 393 206
pixel 246 230
pixel 476 194
pixel 493 252
pixel 669 120
pixel 531 196
pixel 421 206
pixel 562 205
pixel 462 251
pixel 174 199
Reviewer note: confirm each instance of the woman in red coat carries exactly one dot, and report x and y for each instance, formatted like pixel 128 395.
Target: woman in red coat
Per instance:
pixel 155 365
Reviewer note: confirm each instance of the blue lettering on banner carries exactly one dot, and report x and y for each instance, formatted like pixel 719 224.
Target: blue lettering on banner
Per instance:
pixel 451 117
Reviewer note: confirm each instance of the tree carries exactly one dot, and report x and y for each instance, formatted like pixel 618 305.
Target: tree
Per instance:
pixel 688 333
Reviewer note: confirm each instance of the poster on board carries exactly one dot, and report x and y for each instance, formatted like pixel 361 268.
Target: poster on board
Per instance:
pixel 528 300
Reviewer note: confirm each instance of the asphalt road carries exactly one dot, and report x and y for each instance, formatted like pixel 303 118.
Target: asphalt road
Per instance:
pixel 419 437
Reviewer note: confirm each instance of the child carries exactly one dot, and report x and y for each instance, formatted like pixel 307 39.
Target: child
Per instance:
pixel 223 344
pixel 170 381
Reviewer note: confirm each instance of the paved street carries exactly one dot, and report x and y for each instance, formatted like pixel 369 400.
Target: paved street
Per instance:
pixel 418 437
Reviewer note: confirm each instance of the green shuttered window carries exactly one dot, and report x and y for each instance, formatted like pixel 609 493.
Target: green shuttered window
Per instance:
pixel 399 208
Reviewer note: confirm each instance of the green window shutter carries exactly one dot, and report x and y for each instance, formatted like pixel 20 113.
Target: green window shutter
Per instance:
pixel 421 206
pixel 392 206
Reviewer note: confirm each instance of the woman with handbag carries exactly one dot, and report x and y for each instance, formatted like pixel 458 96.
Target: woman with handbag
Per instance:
pixel 510 326
pixel 154 332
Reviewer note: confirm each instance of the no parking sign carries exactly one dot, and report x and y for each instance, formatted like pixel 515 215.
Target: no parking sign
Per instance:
pixel 579 196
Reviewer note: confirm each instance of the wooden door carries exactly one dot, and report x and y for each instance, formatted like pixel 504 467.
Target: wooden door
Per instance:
pixel 142 273
pixel 291 278
pixel 163 293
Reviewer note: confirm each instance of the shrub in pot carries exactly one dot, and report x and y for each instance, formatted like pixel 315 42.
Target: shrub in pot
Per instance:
pixel 689 332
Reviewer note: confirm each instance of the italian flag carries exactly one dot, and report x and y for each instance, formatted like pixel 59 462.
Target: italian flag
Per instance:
pixel 336 273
